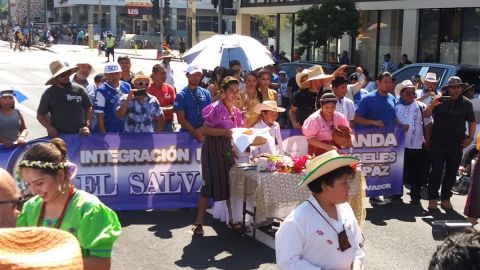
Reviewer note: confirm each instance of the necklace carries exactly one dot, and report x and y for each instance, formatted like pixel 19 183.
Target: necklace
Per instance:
pixel 59 220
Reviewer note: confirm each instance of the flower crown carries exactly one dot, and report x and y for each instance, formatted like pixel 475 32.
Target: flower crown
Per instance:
pixel 71 167
pixel 44 164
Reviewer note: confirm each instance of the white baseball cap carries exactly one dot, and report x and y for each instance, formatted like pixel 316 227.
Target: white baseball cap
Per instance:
pixel 112 68
pixel 192 69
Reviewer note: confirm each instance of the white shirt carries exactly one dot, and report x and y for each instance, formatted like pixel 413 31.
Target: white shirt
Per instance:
pixel 274 141
pixel 346 107
pixel 306 241
pixel 169 71
pixel 426 100
pixel 412 116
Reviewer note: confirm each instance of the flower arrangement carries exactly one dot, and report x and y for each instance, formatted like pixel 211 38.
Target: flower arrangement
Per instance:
pixel 282 164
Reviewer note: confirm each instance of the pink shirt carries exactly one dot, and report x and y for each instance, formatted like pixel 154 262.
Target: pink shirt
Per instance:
pixel 216 115
pixel 316 127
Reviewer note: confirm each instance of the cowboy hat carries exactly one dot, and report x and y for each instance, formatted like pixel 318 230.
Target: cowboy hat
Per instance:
pixel 316 73
pixel 430 77
pixel 268 105
pixel 39 248
pixel 405 84
pixel 454 81
pixel 324 164
pixel 85 62
pixel 57 68
pixel 139 76
pixel 299 76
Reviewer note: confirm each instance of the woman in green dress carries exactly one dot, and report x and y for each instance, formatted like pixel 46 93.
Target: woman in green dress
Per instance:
pixel 58 204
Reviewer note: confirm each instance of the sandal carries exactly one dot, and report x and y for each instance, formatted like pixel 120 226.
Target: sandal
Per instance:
pixel 237 226
pixel 197 229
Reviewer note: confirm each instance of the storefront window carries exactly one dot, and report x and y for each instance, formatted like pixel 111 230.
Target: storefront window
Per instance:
pixel 391 31
pixel 365 48
pixel 471 40
pixel 428 35
pixel 450 35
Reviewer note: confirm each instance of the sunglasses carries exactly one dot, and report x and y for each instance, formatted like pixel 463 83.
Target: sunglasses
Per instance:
pixel 18 203
pixel 143 83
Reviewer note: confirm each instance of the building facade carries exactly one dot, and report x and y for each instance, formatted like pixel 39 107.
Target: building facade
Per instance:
pixel 446 31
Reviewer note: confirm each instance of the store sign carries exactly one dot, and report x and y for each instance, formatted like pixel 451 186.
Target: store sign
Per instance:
pixel 134 11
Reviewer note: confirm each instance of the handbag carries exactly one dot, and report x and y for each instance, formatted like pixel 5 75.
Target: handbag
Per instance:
pixel 341 136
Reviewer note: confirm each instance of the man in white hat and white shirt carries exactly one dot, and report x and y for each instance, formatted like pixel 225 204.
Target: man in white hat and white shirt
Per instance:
pixel 107 99
pixel 409 114
pixel 166 58
pixel 269 111
pixel 68 104
pixel 429 89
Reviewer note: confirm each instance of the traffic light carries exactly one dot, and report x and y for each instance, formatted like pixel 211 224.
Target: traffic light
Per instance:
pixel 215 3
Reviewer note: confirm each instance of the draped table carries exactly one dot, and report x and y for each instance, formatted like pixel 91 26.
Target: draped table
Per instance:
pixel 275 195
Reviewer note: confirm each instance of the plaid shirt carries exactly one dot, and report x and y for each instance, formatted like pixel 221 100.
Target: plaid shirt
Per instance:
pixel 140 117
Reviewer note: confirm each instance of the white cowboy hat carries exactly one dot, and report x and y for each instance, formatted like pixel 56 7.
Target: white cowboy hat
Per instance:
pixel 299 76
pixel 57 68
pixel 316 73
pixel 39 248
pixel 268 105
pixel 430 77
pixel 85 62
pixel 140 75
pixel 405 84
pixel 167 54
pixel 324 164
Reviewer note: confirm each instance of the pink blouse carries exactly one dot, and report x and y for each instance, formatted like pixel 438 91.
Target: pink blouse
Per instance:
pixel 216 115
pixel 316 127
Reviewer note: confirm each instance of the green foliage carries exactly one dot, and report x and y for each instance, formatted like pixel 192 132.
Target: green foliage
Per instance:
pixel 4 11
pixel 327 20
pixel 265 24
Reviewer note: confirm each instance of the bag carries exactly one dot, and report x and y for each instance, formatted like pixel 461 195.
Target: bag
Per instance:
pixel 341 136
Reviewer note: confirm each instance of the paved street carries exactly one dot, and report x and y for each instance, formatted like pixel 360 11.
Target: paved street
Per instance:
pixel 398 236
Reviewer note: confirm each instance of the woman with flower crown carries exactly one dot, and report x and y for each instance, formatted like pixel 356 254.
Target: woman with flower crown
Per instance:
pixel 47 173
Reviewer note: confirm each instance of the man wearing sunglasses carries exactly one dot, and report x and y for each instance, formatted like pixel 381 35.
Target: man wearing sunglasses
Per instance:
pixel 141 111
pixel 10 200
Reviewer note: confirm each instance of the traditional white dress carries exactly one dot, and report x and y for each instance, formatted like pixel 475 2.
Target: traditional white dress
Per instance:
pixel 274 141
pixel 306 241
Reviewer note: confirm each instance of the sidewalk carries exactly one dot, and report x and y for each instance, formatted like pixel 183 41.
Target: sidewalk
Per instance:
pixel 145 54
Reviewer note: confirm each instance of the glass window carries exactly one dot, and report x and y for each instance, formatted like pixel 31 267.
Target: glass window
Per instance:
pixel 181 22
pixel 471 41
pixel 407 74
pixel 450 22
pixel 285 40
pixel 391 30
pixel 428 35
pixel 366 41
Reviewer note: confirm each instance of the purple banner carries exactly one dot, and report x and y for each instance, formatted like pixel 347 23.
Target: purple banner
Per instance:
pixel 163 170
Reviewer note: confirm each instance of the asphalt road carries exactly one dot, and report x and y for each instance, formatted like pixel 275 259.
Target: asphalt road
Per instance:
pixel 398 236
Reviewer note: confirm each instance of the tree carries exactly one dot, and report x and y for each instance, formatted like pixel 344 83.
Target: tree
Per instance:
pixel 326 21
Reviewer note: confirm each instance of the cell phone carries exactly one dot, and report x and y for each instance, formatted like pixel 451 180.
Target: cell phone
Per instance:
pixel 140 92
pixel 445 98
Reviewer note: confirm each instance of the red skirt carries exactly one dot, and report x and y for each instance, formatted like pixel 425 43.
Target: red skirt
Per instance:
pixel 312 150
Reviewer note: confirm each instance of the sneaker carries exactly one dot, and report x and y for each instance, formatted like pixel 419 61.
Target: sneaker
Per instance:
pixel 432 204
pixel 377 201
pixel 447 205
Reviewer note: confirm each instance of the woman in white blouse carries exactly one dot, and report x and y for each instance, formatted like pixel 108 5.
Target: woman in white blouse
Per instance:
pixel 322 232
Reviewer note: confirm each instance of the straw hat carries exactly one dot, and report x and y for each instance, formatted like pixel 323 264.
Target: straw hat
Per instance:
pixel 139 76
pixel 38 248
pixel 429 77
pixel 57 68
pixel 167 54
pixel 324 164
pixel 299 76
pixel 85 62
pixel 316 73
pixel 405 84
pixel 268 105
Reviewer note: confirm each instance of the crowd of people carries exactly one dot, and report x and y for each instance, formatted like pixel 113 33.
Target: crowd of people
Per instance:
pixel 118 100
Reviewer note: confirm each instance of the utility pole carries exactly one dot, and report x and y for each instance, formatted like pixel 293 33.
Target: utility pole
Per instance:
pixel 160 40
pixel 28 12
pixel 191 23
pixel 220 17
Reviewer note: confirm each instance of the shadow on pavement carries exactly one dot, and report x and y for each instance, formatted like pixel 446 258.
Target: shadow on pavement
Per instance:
pixel 377 215
pixel 226 250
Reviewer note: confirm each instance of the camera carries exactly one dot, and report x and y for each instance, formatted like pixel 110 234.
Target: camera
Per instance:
pixel 441 229
pixel 445 98
pixel 140 92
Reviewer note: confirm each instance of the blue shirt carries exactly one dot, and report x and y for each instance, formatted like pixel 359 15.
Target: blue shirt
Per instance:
pixel 374 106
pixel 192 103
pixel 107 100
pixel 358 97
